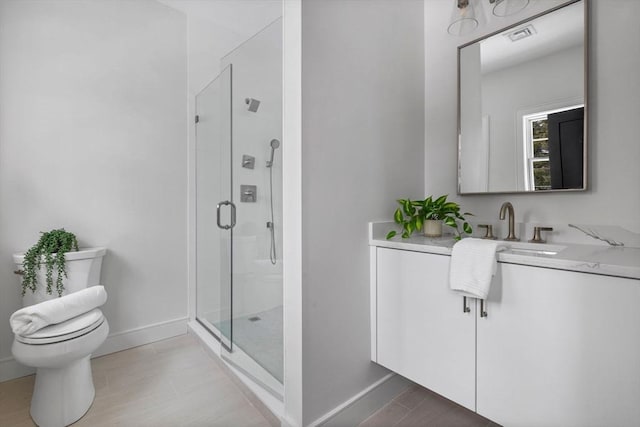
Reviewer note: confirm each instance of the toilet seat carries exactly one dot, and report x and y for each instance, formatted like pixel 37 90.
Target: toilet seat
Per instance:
pixel 72 328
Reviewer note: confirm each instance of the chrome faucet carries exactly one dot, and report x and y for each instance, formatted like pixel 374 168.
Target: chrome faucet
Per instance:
pixel 506 206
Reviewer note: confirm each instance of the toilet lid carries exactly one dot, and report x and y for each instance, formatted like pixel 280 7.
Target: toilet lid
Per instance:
pixel 66 330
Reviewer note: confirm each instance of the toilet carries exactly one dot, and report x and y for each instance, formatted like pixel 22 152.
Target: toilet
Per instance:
pixel 61 353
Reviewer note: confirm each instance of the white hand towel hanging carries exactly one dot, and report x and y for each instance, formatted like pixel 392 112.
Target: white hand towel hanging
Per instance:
pixel 30 319
pixel 473 264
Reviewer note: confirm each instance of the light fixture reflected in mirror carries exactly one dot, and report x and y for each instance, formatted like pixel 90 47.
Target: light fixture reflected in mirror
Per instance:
pixel 504 8
pixel 463 19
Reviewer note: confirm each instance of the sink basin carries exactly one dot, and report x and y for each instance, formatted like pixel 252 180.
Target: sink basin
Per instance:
pixel 534 248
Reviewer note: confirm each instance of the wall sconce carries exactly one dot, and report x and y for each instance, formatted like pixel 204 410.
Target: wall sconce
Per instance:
pixel 504 8
pixel 463 19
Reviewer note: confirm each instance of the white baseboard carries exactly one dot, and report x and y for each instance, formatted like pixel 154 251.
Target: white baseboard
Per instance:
pixel 144 335
pixel 361 406
pixel 10 369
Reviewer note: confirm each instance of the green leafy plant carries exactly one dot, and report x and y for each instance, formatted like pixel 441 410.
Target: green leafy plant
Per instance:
pixel 412 213
pixel 51 249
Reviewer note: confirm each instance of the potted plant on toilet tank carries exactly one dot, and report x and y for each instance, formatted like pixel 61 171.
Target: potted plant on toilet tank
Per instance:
pixel 428 215
pixel 50 250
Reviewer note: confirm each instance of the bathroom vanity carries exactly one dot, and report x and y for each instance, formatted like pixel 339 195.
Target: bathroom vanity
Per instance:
pixel 556 342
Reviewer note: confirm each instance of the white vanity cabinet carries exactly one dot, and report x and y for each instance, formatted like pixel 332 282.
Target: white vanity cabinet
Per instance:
pixel 423 332
pixel 559 348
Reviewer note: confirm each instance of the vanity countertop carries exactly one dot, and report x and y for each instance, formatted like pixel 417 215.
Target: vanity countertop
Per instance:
pixel 616 261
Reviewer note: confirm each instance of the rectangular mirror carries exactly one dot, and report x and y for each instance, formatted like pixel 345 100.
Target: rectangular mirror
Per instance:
pixel 522 97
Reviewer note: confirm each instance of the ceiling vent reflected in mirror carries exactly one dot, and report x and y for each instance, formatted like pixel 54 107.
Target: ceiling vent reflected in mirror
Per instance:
pixel 521 33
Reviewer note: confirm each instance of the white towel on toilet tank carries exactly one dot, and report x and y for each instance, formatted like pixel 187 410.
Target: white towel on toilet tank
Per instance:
pixel 30 319
pixel 473 264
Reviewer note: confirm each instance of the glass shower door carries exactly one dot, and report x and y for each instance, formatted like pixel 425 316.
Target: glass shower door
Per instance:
pixel 215 210
pixel 238 253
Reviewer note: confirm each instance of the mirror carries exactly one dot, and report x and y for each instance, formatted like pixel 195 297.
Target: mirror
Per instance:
pixel 522 106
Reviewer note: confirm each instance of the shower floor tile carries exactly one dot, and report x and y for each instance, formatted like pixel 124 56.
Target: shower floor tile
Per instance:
pixel 259 335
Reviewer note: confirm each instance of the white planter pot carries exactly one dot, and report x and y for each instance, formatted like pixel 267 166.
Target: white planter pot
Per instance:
pixel 432 228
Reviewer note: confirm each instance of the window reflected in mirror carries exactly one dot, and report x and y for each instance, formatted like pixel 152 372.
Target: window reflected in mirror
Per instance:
pixel 564 151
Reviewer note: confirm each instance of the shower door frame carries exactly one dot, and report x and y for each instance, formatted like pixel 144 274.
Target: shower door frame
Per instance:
pixel 225 342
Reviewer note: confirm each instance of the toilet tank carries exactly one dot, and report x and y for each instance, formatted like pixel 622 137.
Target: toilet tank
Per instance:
pixel 83 270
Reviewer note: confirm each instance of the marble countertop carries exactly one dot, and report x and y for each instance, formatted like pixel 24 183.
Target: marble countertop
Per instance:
pixel 605 260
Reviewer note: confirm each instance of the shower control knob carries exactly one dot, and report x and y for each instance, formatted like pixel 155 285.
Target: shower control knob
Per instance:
pixel 248 193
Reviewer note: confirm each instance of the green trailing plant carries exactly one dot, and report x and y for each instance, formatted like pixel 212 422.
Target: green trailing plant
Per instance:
pixel 412 213
pixel 51 249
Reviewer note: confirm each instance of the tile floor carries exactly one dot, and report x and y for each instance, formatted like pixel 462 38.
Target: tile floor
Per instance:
pixel 175 382
pixel 169 383
pixel 419 407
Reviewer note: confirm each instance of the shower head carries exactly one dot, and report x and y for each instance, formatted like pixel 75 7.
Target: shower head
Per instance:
pixel 252 103
pixel 274 144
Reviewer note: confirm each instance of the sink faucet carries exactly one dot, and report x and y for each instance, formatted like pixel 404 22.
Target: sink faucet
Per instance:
pixel 506 206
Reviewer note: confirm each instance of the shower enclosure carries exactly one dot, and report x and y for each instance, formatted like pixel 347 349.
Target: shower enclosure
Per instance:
pixel 239 208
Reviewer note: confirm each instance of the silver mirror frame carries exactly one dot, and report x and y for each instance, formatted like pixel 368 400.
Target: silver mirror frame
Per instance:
pixel 586 103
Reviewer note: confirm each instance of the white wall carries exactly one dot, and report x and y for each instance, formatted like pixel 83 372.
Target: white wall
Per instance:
pixel 612 198
pixel 292 210
pixel 93 138
pixel 362 147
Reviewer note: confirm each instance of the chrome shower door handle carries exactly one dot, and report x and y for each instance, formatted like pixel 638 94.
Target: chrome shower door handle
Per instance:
pixel 465 307
pixel 233 214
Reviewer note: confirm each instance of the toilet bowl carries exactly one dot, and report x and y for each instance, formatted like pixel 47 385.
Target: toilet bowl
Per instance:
pixel 63 391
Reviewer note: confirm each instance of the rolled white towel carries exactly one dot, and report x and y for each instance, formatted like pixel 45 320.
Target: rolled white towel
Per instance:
pixel 30 319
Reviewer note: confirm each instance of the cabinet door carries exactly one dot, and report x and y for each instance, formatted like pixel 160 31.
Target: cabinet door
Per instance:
pixel 559 348
pixel 422 331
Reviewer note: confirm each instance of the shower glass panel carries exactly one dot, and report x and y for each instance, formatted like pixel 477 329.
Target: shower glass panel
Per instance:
pixel 256 317
pixel 214 208
pixel 239 208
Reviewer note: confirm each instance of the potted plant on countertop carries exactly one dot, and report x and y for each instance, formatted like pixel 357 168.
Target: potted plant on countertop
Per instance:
pixel 49 250
pixel 428 215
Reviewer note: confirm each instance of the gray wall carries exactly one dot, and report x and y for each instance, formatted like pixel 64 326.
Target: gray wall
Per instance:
pixel 362 147
pixel 613 197
pixel 93 139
